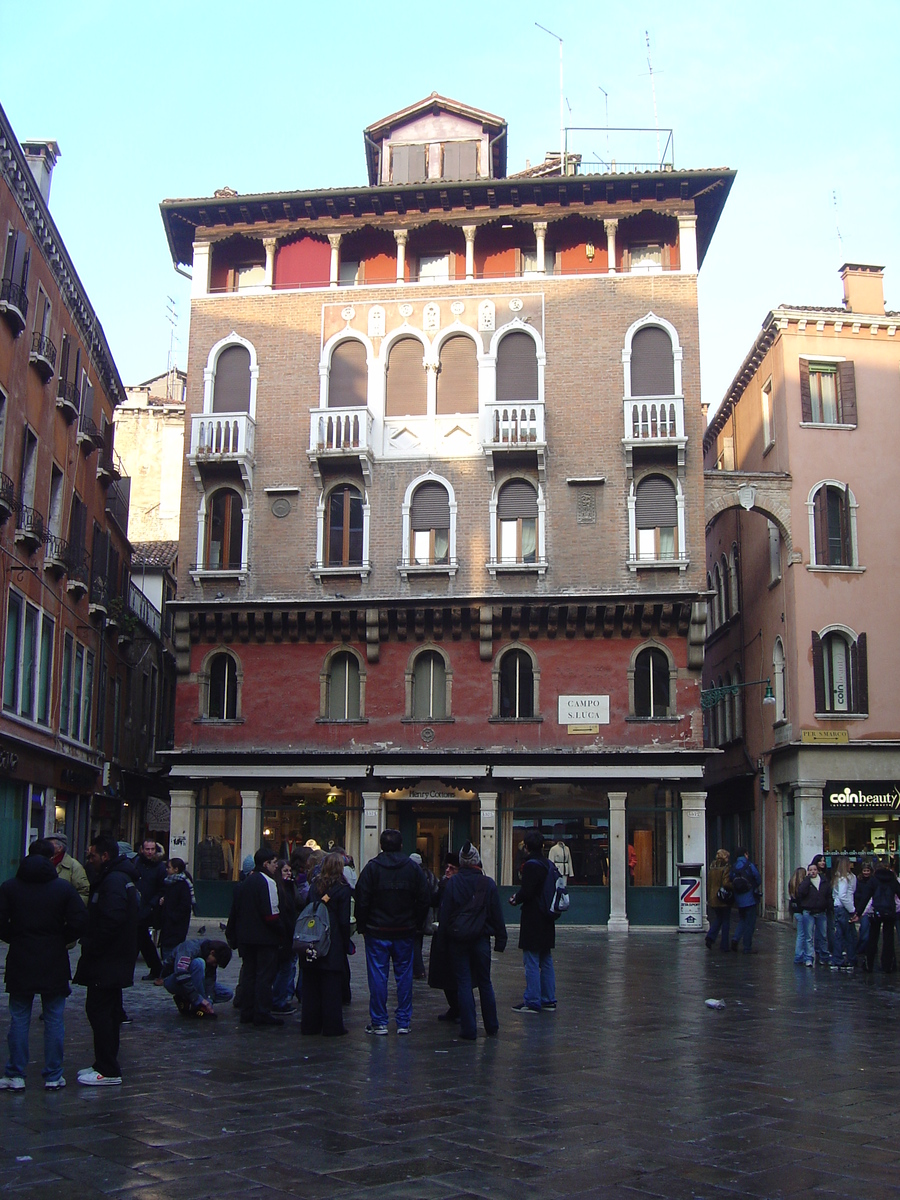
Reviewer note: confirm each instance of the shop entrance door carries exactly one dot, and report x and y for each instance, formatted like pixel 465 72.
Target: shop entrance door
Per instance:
pixel 433 831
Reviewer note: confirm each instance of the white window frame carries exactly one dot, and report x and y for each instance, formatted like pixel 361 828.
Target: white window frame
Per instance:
pixel 768 424
pixel 677 353
pixel 321 570
pixel 201 570
pixel 407 564
pixel 853 567
pixel 496 565
pixel 209 371
pixel 681 560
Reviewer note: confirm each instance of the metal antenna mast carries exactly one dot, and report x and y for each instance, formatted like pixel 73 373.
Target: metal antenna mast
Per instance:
pixel 606 102
pixel 562 117
pixel 653 91
pixel 171 368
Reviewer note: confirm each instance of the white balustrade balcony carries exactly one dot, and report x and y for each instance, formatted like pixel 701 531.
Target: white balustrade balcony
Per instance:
pixel 341 433
pixel 654 419
pixel 218 439
pixel 515 427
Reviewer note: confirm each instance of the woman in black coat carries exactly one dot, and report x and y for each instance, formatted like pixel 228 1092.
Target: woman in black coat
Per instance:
pixel 320 1009
pixel 176 906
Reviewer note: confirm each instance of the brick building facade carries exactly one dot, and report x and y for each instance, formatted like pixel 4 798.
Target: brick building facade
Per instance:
pixel 441 561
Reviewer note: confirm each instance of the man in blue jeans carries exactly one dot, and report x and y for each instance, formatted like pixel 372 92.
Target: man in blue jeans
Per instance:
pixel 537 931
pixel 39 915
pixel 190 976
pixel 746 883
pixel 392 899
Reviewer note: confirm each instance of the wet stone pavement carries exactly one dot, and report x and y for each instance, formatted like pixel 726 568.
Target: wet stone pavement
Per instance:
pixel 632 1089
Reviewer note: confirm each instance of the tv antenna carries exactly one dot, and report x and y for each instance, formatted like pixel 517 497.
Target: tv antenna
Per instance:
pixel 171 366
pixel 606 103
pixel 562 99
pixel 653 92
pixel 834 199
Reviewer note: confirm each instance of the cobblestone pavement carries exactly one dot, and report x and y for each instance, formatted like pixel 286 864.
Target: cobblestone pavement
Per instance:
pixel 632 1089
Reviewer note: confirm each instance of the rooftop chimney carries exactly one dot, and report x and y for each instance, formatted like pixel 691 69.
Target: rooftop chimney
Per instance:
pixel 41 156
pixel 863 289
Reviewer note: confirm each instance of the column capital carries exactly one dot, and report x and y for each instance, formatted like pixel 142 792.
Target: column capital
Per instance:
pixel 468 232
pixel 334 240
pixel 270 243
pixel 611 224
pixel 687 220
pixel 539 227
pixel 400 236
pixel 617 800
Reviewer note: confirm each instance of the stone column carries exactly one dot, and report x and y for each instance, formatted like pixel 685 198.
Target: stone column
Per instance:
pixel 611 227
pixel 489 832
pixel 270 244
pixel 693 841
pixel 540 237
pixel 400 236
pixel 371 827
pixel 49 821
pixel 808 815
pixel 469 235
pixel 200 282
pixel 353 827
pixel 251 824
pixel 182 825
pixel 334 273
pixel 618 863
pixel 687 242
pixel 507 850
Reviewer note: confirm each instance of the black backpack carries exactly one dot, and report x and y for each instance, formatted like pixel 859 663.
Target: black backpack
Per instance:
pixel 883 899
pixel 742 880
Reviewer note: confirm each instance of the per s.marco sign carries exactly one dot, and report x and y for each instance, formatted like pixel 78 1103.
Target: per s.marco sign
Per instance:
pixel 866 795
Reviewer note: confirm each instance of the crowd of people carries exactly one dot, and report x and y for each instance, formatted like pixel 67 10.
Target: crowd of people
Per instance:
pixel 292 922
pixel 840 912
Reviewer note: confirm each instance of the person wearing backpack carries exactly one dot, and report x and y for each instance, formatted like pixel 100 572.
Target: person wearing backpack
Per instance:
pixel 471 913
pixel 720 898
pixel 746 883
pixel 883 918
pixel 537 931
pixel 323 975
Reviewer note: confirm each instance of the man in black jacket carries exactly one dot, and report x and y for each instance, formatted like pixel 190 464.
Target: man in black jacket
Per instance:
pixel 39 914
pixel 537 932
pixel 108 953
pixel 471 912
pixel 392 899
pixel 151 878
pixel 255 928
pixel 885 892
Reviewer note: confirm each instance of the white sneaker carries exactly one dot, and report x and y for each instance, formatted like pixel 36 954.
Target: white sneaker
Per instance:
pixel 53 1085
pixel 12 1083
pixel 91 1078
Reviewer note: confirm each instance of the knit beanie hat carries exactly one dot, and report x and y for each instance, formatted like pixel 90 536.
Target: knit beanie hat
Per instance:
pixel 469 856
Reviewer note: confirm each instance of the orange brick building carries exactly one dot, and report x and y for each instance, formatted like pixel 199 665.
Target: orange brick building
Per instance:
pixel 441 561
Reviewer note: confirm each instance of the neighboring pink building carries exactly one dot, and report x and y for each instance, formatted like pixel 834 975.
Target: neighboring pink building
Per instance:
pixel 803 553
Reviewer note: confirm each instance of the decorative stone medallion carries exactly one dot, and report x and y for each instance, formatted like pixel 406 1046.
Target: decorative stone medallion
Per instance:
pixel 281 506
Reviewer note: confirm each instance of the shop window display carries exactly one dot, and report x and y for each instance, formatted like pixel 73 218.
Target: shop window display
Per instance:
pixel 575 823
pixel 653 823
pixel 218 835
pixel 296 817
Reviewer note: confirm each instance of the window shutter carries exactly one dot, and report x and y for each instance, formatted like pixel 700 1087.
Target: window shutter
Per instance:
pixel 818 672
pixel 400 164
pixel 406 395
pixel 451 161
pixel 517 500
pixel 652 363
pixel 457 382
pixel 655 505
pixel 430 507
pixel 347 381
pixel 416 164
pixel 517 370
pixel 231 391
pixel 468 160
pixel 805 398
pixel 820 527
pixel 859 674
pixel 846 548
pixel 847 378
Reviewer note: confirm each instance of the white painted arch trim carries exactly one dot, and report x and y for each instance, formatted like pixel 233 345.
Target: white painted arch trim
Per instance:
pixel 810 508
pixel 428 477
pixel 343 335
pixel 649 320
pixel 679 506
pixel 202 513
pixel 320 520
pixel 541 516
pixel 209 371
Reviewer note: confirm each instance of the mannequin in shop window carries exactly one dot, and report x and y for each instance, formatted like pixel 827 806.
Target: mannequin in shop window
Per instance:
pixel 561 857
pixel 211 859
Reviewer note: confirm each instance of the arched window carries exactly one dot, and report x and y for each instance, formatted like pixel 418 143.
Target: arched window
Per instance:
pixel 224 531
pixel 651 683
pixel 429 687
pixel 347 380
pixel 656 520
pixel 344 527
pixel 231 390
pixel 726 590
pixel 710 606
pixel 457 381
pixel 516 685
pixel 729 709
pixel 405 392
pixel 717 601
pixel 517 520
pixel 223 688
pixel 841 672
pixel 343 691
pixel 779 681
pixel 734 572
pixel 652 363
pixel 429 523
pixel 832 526
pixel 738 704
pixel 517 369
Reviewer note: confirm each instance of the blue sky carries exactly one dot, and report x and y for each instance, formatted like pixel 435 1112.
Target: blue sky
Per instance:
pixel 152 101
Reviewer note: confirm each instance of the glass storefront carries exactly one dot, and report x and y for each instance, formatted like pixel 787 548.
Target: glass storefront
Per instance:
pixel 653 824
pixel 218 834
pixel 305 814
pixel 572 818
